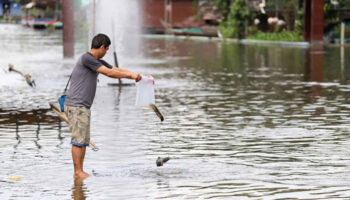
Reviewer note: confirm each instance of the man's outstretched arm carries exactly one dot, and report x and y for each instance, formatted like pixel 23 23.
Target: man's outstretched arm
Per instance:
pixel 118 73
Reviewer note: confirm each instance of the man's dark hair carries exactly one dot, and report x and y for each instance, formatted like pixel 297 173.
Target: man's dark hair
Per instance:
pixel 99 40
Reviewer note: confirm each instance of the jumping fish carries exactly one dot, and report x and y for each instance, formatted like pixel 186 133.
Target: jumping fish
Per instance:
pixel 155 109
pixel 27 77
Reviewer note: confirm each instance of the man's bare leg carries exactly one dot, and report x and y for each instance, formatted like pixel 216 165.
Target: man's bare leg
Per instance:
pixel 78 154
pixel 82 158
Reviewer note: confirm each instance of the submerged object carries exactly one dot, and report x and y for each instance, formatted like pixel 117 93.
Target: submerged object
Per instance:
pixel 160 161
pixel 14 178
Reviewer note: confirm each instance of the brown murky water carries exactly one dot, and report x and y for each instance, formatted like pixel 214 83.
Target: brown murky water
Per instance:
pixel 241 122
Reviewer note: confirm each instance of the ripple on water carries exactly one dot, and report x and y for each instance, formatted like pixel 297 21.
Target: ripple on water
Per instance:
pixel 242 127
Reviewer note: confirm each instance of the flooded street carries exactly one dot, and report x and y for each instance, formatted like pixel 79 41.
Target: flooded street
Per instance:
pixel 241 122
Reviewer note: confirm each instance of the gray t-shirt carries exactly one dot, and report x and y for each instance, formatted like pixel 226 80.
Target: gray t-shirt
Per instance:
pixel 83 83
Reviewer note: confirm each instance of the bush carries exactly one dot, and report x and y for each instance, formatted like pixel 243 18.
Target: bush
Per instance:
pixel 337 30
pixel 290 36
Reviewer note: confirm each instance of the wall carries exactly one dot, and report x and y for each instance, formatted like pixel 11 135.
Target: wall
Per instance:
pixel 181 10
pixel 153 11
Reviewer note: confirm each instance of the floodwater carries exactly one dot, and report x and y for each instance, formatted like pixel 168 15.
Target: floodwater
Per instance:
pixel 241 122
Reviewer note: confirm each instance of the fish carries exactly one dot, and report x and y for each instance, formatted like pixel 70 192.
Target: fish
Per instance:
pixel 155 109
pixel 27 77
pixel 160 161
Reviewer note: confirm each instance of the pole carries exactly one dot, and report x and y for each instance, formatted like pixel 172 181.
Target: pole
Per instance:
pixel 317 21
pixel 342 34
pixel 307 20
pixel 115 52
pixel 171 13
pixel 68 28
pixel 117 65
pixel 342 61
pixel 166 11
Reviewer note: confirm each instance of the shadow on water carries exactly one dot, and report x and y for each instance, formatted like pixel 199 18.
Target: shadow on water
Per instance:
pixel 21 120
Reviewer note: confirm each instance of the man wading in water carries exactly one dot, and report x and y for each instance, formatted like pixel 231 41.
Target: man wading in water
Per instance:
pixel 81 94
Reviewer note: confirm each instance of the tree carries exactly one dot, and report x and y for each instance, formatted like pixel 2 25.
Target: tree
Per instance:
pixel 237 21
pixel 332 11
pixel 223 7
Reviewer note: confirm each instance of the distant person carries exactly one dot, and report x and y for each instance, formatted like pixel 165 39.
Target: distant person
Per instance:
pixel 6 10
pixel 81 94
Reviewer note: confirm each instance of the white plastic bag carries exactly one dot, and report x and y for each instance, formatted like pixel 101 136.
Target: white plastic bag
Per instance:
pixel 145 92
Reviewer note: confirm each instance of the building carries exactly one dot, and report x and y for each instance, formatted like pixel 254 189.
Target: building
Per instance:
pixel 179 17
pixel 161 14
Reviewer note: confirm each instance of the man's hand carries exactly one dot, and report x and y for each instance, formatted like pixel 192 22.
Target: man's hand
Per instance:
pixel 138 77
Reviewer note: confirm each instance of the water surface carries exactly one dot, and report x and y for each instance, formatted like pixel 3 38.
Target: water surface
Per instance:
pixel 241 121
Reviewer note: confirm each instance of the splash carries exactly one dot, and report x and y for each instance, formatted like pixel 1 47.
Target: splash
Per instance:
pixel 120 20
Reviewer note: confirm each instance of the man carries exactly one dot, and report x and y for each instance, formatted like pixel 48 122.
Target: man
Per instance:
pixel 81 94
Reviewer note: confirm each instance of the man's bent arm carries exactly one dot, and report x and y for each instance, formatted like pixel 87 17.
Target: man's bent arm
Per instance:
pixel 118 73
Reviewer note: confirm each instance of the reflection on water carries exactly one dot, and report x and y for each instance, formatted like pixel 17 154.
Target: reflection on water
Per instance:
pixel 314 67
pixel 18 120
pixel 78 190
pixel 241 121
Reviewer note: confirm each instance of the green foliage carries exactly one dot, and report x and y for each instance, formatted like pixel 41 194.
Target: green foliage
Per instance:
pixel 223 7
pixel 236 23
pixel 331 14
pixel 21 1
pixel 237 14
pixel 291 36
pixel 227 30
pixel 337 30
pixel 300 21
pixel 281 4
